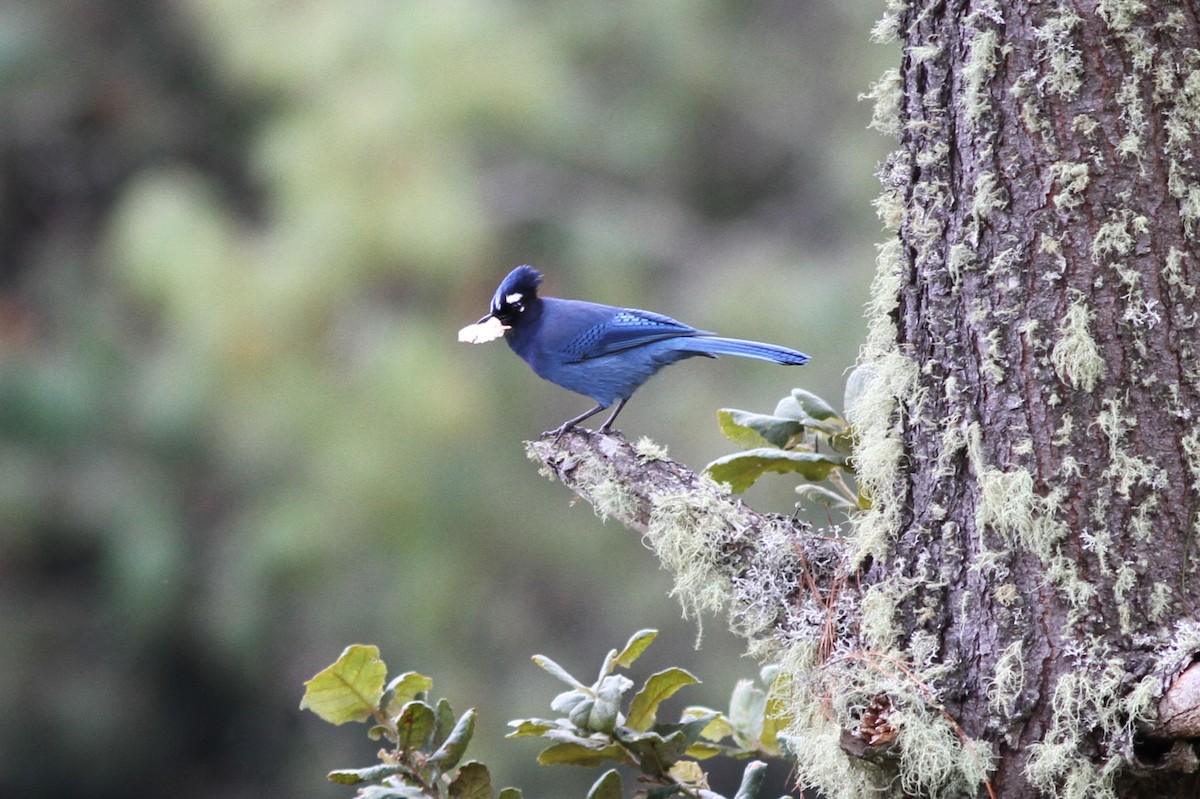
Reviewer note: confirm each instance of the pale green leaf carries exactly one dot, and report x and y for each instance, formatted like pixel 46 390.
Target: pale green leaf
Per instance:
pixel 349 689
pixel 473 781
pixel 717 730
pixel 558 671
pixel 813 405
pixel 527 728
pixel 752 779
pixel 402 689
pixel 415 724
pixel 741 469
pixel 755 429
pixel 452 750
pixel 657 689
pixel 638 642
pixel 574 754
pixel 607 787
pixel 356 776
pixel 702 750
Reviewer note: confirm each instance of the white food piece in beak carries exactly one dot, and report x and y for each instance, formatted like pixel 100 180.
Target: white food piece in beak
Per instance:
pixel 483 332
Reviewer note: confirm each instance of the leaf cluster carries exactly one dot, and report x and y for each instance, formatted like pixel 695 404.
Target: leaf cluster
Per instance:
pixel 597 727
pixel 427 742
pixel 804 436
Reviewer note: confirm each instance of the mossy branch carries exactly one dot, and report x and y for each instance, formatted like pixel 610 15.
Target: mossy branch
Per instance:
pixel 781 580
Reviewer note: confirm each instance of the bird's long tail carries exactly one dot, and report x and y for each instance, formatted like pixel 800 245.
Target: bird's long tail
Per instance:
pixel 714 345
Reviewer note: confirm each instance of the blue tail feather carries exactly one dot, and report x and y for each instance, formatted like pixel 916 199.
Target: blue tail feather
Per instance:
pixel 715 345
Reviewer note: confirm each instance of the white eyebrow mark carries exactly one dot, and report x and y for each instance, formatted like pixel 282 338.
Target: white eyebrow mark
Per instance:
pixel 514 298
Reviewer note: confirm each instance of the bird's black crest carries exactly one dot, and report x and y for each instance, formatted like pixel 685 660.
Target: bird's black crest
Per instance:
pixel 524 280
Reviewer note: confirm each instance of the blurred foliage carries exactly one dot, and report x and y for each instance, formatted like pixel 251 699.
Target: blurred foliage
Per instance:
pixel 236 239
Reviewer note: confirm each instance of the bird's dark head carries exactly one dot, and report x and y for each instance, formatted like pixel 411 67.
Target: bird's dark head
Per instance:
pixel 516 294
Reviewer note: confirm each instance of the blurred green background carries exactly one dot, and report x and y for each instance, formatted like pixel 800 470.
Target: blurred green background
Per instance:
pixel 237 238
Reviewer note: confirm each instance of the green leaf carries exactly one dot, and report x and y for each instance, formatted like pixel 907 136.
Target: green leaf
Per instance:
pixel 415 724
pixel 356 776
pixel 510 793
pixel 657 689
pixel 638 642
pixel 450 752
pixel 443 723
pixel 811 411
pixel 752 779
pixel 656 752
pixel 857 384
pixel 687 772
pixel 558 671
pixel 823 496
pixel 603 715
pixel 703 751
pixel 349 689
pixel 378 731
pixel 392 792
pixel 741 469
pixel 774 721
pixel 568 701
pixel 746 708
pixel 403 688
pixel 528 728
pixel 574 754
pixel 718 729
pixel 813 405
pixel 608 786
pixel 755 429
pixel 473 781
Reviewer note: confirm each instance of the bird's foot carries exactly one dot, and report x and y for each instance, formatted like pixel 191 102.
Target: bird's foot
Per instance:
pixel 558 431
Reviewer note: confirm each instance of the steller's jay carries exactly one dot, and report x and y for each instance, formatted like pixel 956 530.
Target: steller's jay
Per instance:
pixel 599 351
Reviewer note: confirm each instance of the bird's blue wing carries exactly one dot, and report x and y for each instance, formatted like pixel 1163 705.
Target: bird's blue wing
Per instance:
pixel 625 329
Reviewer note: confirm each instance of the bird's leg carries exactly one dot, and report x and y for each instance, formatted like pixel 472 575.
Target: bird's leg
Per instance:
pixel 604 428
pixel 567 425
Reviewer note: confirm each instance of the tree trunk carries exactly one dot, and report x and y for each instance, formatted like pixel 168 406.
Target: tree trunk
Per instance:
pixel 1036 322
pixel 1014 616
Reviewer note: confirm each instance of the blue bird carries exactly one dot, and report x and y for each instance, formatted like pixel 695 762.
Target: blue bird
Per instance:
pixel 600 351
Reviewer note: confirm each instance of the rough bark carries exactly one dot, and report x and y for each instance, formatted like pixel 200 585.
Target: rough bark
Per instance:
pixel 1046 192
pixel 1015 615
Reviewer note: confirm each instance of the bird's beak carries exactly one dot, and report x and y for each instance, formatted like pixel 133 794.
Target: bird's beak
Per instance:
pixel 488 328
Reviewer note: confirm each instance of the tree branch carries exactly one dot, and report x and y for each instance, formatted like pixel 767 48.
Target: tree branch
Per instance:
pixel 780 579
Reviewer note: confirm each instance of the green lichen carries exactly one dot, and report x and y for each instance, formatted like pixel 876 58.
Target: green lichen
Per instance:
pixel 1092 697
pixel 1072 180
pixel 962 257
pixel 924 52
pixel 1008 679
pixel 1172 272
pixel 1126 470
pixel 978 72
pixel 1133 114
pixel 1119 15
pixel 1056 45
pixel 687 531
pixel 1076 357
pixel 988 196
pixel 888 96
pixel 648 450
pixel 1116 236
pixel 887 29
pixel 1161 601
pixel 609 496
